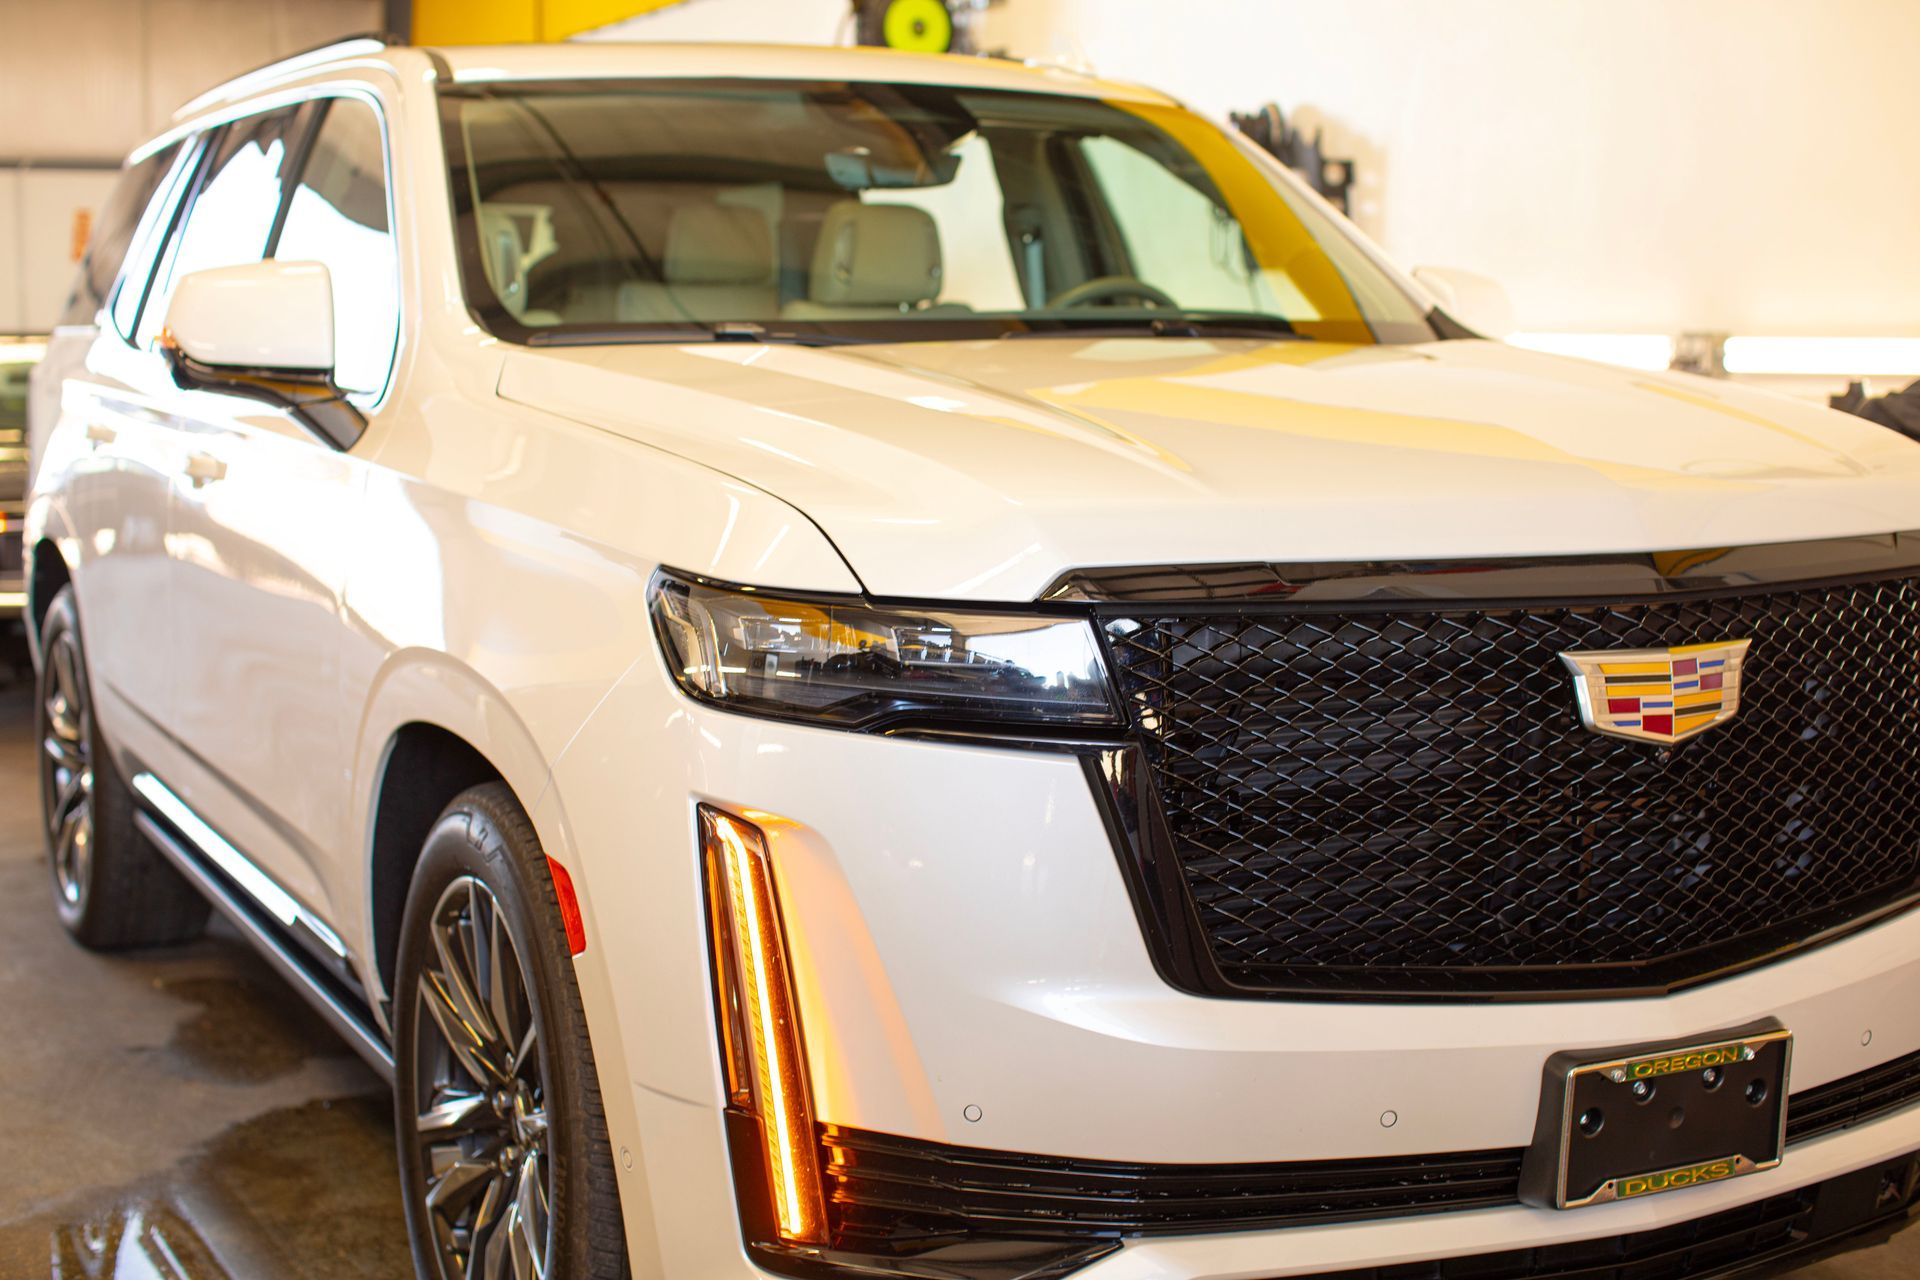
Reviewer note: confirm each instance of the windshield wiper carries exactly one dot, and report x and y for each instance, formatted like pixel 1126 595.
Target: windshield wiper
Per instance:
pixel 1186 327
pixel 683 334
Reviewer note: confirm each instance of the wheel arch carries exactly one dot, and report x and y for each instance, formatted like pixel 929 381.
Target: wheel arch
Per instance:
pixel 432 729
pixel 423 768
pixel 47 572
pixel 52 556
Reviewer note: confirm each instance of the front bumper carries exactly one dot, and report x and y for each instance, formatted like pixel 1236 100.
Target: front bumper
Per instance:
pixel 970 971
pixel 1841 1193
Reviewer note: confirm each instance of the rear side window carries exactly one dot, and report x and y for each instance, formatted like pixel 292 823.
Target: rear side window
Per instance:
pixel 233 211
pixel 113 232
pixel 338 216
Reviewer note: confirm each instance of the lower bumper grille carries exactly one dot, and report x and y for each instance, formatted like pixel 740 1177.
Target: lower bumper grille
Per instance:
pixel 1402 800
pixel 1855 1099
pixel 1755 1239
pixel 883 1189
pixel 891 1194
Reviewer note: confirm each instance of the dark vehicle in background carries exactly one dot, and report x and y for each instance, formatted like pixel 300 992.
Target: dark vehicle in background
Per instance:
pixel 17 359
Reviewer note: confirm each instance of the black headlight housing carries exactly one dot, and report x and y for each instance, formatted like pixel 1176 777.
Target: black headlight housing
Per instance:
pixel 852 664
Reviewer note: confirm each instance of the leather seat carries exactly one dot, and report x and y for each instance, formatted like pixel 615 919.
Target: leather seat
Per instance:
pixel 504 256
pixel 719 265
pixel 871 261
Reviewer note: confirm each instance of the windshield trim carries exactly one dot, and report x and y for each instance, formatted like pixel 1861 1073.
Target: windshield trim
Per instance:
pixel 496 320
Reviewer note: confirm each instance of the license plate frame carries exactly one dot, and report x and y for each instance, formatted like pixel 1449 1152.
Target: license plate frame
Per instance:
pixel 1644 1146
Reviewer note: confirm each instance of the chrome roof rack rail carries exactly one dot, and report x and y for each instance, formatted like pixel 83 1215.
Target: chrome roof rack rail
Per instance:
pixel 246 81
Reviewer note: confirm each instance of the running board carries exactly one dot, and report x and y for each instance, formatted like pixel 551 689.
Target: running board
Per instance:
pixel 338 1008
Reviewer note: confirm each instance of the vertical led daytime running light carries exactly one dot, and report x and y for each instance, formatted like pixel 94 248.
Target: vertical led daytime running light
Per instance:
pixel 760 1027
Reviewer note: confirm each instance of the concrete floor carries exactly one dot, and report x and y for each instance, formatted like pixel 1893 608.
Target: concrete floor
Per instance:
pixel 177 1115
pixel 180 1115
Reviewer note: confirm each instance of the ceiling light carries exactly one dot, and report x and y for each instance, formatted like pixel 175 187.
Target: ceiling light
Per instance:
pixel 1840 357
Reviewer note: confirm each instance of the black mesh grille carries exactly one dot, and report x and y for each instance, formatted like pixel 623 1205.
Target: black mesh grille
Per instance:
pixel 1406 800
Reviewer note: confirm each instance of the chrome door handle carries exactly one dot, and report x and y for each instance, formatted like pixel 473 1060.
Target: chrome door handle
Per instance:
pixel 204 467
pixel 101 433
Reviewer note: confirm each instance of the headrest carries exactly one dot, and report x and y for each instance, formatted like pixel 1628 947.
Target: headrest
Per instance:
pixel 504 257
pixel 875 255
pixel 718 244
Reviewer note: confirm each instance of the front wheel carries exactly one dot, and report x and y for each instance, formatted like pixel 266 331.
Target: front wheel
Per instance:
pixel 504 1157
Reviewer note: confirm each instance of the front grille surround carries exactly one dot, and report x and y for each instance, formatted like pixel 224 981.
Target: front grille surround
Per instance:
pixel 1399 800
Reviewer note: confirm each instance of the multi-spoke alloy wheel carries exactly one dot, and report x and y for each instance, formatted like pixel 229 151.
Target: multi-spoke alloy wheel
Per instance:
pixel 505 1160
pixel 481 1093
pixel 66 770
pixel 110 888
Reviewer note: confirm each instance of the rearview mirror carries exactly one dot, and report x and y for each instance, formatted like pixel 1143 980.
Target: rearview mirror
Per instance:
pixel 262 330
pixel 1477 301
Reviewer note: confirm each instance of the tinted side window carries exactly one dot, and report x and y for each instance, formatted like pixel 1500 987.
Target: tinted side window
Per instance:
pixel 338 216
pixel 149 237
pixel 113 233
pixel 233 211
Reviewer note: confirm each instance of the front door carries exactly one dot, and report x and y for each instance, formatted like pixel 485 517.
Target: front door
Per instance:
pixel 262 519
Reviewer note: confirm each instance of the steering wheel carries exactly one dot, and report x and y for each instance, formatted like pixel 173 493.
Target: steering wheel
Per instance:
pixel 1100 288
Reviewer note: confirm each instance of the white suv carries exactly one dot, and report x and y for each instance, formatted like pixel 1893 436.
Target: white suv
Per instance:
pixel 857 664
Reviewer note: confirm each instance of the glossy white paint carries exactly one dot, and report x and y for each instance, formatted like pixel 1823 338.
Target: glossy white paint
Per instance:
pixel 478 562
pixel 258 315
pixel 1478 301
pixel 984 470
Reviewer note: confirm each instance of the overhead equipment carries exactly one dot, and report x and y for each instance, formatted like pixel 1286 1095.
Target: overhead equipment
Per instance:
pixel 918 26
pixel 1266 126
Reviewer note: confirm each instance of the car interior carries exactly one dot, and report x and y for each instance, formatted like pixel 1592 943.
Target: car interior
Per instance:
pixel 812 204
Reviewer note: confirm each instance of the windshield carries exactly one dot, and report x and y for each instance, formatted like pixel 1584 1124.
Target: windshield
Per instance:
pixel 666 209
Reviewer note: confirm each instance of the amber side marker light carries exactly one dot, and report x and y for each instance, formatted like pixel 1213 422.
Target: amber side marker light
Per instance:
pixel 762 1049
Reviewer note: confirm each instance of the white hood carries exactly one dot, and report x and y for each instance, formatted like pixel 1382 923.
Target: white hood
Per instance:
pixel 984 470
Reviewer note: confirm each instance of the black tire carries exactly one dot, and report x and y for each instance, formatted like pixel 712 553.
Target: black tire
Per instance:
pixel 111 888
pixel 496 1117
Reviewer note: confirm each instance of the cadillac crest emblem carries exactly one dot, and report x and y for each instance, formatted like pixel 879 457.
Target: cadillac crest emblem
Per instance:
pixel 1658 695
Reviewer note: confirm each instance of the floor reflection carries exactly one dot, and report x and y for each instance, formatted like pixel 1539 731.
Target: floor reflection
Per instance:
pixel 138 1242
pixel 305 1193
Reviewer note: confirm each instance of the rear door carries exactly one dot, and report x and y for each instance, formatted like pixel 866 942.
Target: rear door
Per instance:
pixel 116 464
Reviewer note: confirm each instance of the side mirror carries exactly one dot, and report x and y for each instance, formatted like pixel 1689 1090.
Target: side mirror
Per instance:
pixel 262 330
pixel 1477 301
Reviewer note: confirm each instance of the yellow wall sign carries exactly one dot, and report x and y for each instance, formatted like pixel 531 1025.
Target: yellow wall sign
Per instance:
pixel 518 21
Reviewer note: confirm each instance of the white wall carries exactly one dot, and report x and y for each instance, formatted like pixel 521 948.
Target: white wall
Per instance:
pixel 84 81
pixel 1642 165
pixel 37 240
